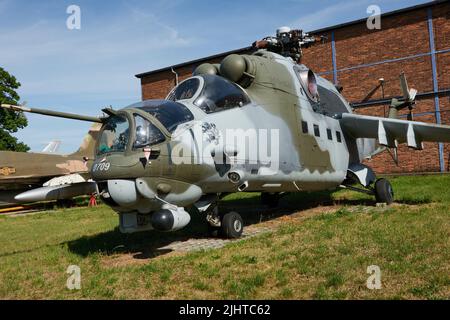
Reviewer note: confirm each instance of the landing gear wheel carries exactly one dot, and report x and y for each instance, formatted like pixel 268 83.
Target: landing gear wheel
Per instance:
pixel 232 225
pixel 213 221
pixel 213 231
pixel 383 191
pixel 270 199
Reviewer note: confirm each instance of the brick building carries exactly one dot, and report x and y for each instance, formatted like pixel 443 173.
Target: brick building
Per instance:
pixel 415 40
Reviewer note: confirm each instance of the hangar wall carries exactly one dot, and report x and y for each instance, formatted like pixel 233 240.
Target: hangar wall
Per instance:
pixel 415 40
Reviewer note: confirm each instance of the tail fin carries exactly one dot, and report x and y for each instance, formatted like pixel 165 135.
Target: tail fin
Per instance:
pixel 52 147
pixel 87 148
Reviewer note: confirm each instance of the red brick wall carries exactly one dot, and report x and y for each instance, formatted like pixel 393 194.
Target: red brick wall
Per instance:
pixel 401 36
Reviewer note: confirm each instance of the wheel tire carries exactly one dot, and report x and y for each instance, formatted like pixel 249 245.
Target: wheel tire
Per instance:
pixel 383 191
pixel 270 199
pixel 232 225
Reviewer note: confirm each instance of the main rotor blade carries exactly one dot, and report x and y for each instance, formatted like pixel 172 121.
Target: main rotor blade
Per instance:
pixel 52 113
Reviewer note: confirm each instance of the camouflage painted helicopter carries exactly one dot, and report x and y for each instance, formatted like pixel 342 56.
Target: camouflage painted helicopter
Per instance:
pixel 260 122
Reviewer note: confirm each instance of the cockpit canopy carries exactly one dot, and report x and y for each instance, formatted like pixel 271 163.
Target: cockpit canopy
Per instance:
pixel 116 133
pixel 169 113
pixel 211 93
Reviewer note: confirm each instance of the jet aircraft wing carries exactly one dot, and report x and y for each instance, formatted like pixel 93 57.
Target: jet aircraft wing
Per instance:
pixel 388 131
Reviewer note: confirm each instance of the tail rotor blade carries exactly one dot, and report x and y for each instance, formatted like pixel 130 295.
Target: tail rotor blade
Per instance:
pixel 412 93
pixel 404 86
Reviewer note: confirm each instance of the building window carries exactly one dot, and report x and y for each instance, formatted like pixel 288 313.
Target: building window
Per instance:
pixel 338 136
pixel 330 137
pixel 304 127
pixel 316 130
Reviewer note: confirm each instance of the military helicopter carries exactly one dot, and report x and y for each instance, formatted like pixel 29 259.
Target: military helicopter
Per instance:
pixel 259 122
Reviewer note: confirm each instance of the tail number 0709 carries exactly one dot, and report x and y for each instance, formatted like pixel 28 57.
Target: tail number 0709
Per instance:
pixel 102 166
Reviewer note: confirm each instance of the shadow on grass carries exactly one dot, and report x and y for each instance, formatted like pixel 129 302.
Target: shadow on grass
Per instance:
pixel 143 245
pixel 150 244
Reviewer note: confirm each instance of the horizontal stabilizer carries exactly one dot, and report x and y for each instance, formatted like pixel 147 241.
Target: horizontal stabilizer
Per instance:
pixel 389 132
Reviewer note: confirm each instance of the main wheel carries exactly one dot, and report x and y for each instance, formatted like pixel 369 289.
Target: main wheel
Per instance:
pixel 232 225
pixel 383 191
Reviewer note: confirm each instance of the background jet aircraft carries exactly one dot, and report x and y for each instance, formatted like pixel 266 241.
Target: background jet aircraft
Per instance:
pixel 157 157
pixel 29 177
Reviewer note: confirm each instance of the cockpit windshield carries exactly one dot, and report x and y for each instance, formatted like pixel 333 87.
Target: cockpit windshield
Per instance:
pixel 115 135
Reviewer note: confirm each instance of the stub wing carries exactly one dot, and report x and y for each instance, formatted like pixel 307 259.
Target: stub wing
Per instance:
pixel 389 131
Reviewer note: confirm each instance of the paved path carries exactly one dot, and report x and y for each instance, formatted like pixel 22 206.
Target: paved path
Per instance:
pixel 213 243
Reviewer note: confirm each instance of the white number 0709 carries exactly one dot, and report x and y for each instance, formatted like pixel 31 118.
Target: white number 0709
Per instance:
pixel 103 166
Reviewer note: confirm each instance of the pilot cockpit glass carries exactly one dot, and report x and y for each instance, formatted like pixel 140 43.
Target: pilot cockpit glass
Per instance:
pixel 220 94
pixel 146 133
pixel 185 90
pixel 114 135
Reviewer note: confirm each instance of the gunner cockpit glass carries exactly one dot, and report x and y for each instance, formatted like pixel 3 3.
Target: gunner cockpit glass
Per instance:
pixel 220 94
pixel 114 136
pixel 146 133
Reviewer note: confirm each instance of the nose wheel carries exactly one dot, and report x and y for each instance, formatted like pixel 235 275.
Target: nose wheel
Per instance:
pixel 229 225
pixel 232 225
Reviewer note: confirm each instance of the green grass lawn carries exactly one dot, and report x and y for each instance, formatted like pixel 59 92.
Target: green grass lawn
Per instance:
pixel 320 257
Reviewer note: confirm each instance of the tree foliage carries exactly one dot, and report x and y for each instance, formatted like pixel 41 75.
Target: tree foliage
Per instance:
pixel 10 121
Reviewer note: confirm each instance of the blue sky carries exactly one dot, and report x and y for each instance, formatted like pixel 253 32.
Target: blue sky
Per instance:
pixel 83 70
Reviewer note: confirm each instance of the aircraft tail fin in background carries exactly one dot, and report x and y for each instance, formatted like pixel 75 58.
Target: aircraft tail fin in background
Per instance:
pixel 52 147
pixel 87 148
